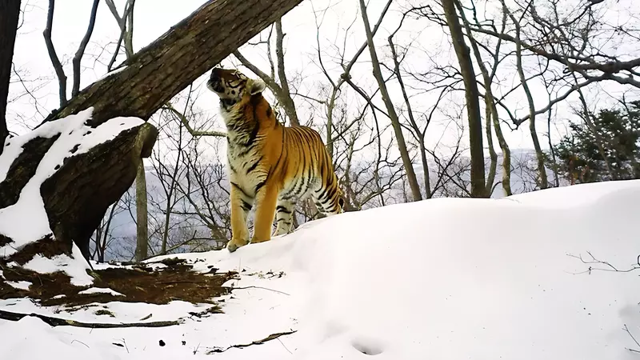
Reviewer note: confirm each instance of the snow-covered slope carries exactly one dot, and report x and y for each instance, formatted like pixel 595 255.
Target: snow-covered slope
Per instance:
pixel 437 279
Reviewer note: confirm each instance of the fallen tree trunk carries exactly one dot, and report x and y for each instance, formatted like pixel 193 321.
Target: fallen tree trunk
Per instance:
pixel 165 67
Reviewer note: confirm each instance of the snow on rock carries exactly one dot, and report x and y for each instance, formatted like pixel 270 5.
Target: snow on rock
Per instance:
pixel 96 290
pixel 436 279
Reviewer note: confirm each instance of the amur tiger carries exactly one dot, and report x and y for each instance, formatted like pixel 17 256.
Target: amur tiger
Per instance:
pixel 271 166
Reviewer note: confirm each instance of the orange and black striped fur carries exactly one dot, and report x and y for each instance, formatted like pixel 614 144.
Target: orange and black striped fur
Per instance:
pixel 271 166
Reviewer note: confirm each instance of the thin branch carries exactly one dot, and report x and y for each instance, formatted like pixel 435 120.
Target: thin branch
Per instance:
pixel 83 45
pixel 57 66
pixel 609 266
pixel 185 122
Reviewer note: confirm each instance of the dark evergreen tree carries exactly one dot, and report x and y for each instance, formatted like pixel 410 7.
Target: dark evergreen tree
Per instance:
pixel 602 147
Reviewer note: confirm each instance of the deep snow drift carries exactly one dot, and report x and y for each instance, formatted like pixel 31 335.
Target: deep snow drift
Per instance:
pixel 437 279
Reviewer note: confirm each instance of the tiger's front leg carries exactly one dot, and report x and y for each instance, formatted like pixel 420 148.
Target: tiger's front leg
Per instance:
pixel 240 207
pixel 265 211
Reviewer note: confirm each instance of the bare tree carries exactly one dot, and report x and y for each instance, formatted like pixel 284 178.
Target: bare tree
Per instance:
pixel 418 132
pixel 573 42
pixel 544 183
pixel 492 116
pixel 393 116
pixel 280 88
pixel 9 16
pixel 125 24
pixel 102 237
pixel 474 116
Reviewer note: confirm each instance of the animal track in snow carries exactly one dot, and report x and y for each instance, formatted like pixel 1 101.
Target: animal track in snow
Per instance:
pixel 367 346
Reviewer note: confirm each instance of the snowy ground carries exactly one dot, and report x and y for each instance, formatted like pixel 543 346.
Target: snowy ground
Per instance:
pixel 438 279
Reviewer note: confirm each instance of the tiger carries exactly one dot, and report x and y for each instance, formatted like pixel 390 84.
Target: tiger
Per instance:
pixel 271 166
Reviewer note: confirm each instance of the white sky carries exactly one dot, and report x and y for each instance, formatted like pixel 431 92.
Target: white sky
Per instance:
pixel 154 17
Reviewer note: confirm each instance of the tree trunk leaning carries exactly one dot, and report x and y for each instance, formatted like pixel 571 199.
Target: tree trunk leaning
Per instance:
pixel 159 71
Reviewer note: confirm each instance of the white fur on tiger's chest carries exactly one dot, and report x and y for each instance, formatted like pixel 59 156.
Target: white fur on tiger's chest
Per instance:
pixel 244 167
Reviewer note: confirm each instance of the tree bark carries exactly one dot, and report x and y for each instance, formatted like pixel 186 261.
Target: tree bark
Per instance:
pixel 158 72
pixel 9 15
pixel 542 171
pixel 142 234
pixel 473 104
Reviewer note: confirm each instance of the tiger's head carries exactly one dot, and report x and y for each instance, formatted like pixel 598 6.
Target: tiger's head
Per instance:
pixel 232 86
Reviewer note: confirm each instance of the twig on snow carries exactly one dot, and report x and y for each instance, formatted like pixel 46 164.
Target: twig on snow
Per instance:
pixel 609 266
pixel 257 342
pixel 626 329
pixel 258 287
pixel 78 341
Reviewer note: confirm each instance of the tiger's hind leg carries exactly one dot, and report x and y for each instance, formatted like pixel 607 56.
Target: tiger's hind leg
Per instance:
pixel 284 217
pixel 265 211
pixel 240 207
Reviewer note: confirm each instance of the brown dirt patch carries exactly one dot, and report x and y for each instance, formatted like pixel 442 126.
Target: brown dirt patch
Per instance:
pixel 47 247
pixel 140 283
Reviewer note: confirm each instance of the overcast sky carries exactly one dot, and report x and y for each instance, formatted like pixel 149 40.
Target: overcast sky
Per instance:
pixel 154 17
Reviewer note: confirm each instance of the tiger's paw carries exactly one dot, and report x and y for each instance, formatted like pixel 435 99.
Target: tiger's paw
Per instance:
pixel 233 245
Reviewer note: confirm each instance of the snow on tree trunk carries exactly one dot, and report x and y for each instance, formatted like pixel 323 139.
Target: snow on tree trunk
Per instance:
pixel 57 182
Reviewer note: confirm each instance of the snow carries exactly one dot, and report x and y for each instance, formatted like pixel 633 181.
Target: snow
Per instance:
pixel 436 279
pixel 96 290
pixel 75 267
pixel 115 71
pixel 22 285
pixel 26 221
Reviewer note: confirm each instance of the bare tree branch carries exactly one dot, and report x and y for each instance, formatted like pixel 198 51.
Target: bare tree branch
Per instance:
pixel 83 45
pixel 57 66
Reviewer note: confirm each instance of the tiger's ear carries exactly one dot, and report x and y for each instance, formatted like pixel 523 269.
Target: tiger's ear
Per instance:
pixel 257 86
